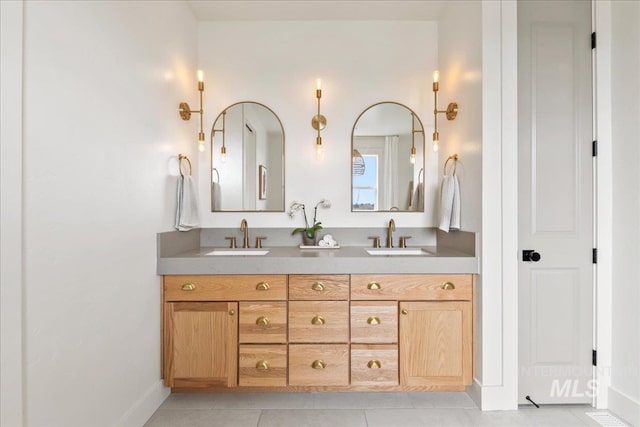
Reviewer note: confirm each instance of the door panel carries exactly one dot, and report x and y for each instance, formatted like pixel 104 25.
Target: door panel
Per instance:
pixel 555 200
pixel 201 344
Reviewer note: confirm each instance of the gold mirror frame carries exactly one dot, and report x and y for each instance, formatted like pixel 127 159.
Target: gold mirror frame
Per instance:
pixel 215 153
pixel 419 164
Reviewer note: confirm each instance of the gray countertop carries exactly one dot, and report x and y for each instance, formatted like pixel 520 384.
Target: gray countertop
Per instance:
pixel 293 260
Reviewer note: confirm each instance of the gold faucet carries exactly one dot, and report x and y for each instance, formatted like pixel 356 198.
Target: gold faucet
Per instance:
pixel 390 230
pixel 245 228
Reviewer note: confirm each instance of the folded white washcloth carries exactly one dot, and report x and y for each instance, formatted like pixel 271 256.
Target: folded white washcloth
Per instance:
pixel 323 243
pixel 450 204
pixel 327 237
pixel 187 204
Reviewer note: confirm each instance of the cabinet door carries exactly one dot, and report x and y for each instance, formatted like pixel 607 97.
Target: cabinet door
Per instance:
pixel 436 343
pixel 201 344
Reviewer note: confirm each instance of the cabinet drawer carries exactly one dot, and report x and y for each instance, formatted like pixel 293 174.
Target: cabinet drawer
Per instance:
pixel 374 322
pixel 319 321
pixel 373 365
pixel 411 287
pixel 318 365
pixel 318 287
pixel 263 322
pixel 225 288
pixel 263 365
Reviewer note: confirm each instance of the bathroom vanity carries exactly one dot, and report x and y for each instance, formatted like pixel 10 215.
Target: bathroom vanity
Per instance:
pixel 312 320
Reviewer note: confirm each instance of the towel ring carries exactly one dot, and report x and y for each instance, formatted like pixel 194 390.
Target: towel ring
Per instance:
pixel 182 157
pixel 453 157
pixel 217 174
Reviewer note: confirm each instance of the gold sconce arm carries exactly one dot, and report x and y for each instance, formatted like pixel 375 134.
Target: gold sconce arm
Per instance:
pixel 318 122
pixel 185 111
pixel 450 113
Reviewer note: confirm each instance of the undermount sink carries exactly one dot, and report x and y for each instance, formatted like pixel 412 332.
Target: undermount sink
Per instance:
pixel 398 251
pixel 239 252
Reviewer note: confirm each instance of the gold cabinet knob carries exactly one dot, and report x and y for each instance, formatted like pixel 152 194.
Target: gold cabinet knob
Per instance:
pixel 317 320
pixel 262 365
pixel 318 364
pixel 374 364
pixel 232 312
pixel 374 286
pixel 189 287
pixel 262 286
pixel 447 286
pixel 404 311
pixel 318 286
pixel 373 320
pixel 262 321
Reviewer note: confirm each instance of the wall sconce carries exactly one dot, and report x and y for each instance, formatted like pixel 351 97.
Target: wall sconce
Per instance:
pixel 451 112
pixel 186 111
pixel 223 149
pixel 319 122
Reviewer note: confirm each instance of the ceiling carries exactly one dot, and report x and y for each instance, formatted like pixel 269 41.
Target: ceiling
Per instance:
pixel 316 10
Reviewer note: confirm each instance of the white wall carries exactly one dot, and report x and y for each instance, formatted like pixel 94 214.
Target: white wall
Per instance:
pixel 277 63
pixel 102 82
pixel 460 60
pixel 624 392
pixel 11 324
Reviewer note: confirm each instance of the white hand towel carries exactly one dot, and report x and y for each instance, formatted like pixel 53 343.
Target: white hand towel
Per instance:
pixel 216 196
pixel 187 204
pixel 455 209
pixel 418 198
pixel 450 204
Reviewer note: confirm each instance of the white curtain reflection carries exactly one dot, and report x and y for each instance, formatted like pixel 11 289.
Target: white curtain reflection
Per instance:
pixel 390 171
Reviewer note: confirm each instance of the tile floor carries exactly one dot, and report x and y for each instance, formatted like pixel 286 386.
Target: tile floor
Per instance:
pixel 352 410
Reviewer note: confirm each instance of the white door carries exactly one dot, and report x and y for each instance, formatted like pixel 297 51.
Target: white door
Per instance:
pixel 555 201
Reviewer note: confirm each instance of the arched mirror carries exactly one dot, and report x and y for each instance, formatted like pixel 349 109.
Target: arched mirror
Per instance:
pixel 387 166
pixel 247 158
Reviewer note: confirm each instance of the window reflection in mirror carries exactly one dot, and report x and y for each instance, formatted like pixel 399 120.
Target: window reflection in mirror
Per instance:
pixel 247 158
pixel 384 174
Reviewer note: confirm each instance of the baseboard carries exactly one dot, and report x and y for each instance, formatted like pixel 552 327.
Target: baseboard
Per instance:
pixel 145 406
pixel 624 406
pixel 475 392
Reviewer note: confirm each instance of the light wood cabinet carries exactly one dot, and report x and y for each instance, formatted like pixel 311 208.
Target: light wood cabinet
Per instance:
pixel 201 344
pixel 436 343
pixel 318 364
pixel 319 322
pixel 318 332
pixel 374 365
pixel 318 287
pixel 263 322
pixel 374 322
pixel 411 287
pixel 263 365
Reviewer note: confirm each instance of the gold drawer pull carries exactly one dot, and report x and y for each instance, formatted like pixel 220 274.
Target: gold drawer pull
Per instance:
pixel 318 364
pixel 405 311
pixel 318 286
pixel 373 320
pixel 262 365
pixel 189 287
pixel 262 286
pixel 232 312
pixel 374 286
pixel 447 286
pixel 262 321
pixel 374 364
pixel 317 320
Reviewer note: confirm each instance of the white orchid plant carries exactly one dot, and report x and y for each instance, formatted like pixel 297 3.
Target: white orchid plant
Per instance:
pixel 309 231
